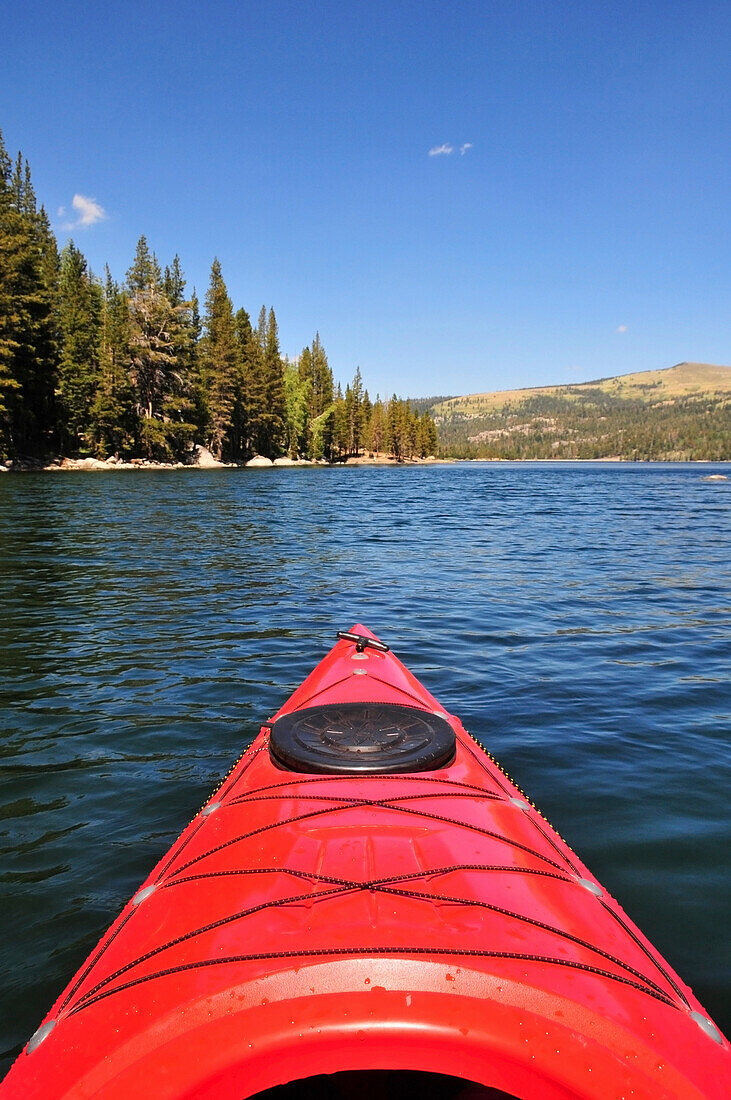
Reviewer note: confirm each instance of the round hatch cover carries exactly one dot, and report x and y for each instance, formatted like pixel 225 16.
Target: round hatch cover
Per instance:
pixel 362 738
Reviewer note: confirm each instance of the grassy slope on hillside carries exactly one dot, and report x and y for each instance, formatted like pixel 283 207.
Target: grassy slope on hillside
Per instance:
pixel 683 412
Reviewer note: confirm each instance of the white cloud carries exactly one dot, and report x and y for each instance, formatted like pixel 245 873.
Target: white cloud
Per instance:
pixel 88 212
pixel 621 329
pixel 447 149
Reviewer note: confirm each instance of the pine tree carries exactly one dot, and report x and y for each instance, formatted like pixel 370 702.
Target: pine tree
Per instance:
pixel 376 428
pixel 249 396
pixel 270 419
pixel 219 362
pixel 393 434
pixel 114 419
pixel 366 409
pixel 145 270
pixel 173 282
pixel 322 377
pixel 256 385
pixel 349 412
pixel 314 367
pixel 154 328
pixel 428 436
pixel 179 407
pixel 339 445
pixel 9 384
pixel 355 414
pixel 198 415
pixel 28 343
pixel 297 390
pixel 80 304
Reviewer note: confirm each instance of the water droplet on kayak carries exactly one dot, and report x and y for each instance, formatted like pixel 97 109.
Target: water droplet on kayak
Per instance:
pixel 143 894
pixel 708 1026
pixel 210 808
pixel 521 803
pixel 38 1036
pixel 592 887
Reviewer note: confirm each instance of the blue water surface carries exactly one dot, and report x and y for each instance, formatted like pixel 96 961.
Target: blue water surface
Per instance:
pixel 576 617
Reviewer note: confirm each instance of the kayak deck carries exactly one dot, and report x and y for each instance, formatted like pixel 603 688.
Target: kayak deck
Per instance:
pixel 321 922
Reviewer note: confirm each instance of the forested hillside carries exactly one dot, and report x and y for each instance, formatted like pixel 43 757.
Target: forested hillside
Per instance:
pixel 682 413
pixel 93 366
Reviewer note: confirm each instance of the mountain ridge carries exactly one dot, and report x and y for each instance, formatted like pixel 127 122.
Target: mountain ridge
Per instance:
pixel 676 413
pixel 687 376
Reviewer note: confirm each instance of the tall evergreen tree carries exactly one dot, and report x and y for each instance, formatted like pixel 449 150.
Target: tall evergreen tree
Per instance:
pixel 274 377
pixel 114 418
pixel 154 328
pixel 376 428
pixel 393 434
pixel 8 334
pixel 180 407
pixel 28 344
pixel 339 437
pixel 365 415
pixel 428 435
pixel 323 389
pixel 80 304
pixel 250 395
pixel 173 282
pixel 297 397
pixel 219 362
pixel 313 366
pixel 354 413
pixel 268 422
pixel 145 270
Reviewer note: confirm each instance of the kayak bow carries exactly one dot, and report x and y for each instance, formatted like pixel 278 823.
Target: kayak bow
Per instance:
pixel 368 891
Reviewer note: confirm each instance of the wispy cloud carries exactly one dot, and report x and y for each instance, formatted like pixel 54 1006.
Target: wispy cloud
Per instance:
pixel 88 212
pixel 621 329
pixel 447 149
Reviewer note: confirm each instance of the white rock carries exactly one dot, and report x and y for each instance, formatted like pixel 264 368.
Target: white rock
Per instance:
pixel 91 464
pixel 259 460
pixel 205 459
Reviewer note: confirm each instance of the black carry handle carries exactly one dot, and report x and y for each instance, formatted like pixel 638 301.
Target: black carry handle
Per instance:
pixel 361 641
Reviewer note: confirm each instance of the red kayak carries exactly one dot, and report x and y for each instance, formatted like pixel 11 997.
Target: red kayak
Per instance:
pixel 367 896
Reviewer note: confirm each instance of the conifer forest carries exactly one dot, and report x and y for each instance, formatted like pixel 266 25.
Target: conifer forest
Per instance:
pixel 90 366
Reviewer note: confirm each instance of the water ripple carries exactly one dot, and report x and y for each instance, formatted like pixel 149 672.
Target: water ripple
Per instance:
pixel 575 617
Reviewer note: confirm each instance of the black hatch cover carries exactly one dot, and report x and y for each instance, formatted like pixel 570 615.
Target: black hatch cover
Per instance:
pixel 362 738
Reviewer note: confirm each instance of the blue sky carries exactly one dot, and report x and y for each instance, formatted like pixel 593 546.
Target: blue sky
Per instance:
pixel 578 227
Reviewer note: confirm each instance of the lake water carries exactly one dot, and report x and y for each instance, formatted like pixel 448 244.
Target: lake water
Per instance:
pixel 576 617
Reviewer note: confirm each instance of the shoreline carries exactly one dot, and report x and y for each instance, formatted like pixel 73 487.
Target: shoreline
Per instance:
pixel 94 465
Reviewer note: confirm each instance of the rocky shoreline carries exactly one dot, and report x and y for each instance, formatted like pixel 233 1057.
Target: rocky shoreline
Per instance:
pixel 201 459
pixel 204 460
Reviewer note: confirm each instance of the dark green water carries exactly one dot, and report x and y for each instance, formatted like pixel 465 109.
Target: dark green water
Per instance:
pixel 575 617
